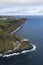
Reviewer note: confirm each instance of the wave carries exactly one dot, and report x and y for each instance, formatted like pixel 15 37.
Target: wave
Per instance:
pixel 16 29
pixel 25 51
pixel 8 55
pixel 34 47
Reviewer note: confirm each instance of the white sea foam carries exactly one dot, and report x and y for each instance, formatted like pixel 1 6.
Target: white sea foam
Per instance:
pixel 16 29
pixel 34 47
pixel 8 55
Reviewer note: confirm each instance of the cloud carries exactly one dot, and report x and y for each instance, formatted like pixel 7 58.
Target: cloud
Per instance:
pixel 21 2
pixel 22 10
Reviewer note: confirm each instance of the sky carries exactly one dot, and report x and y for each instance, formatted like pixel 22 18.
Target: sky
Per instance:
pixel 21 2
pixel 21 7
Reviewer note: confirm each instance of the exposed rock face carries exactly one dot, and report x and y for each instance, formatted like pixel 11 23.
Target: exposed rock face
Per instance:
pixel 24 44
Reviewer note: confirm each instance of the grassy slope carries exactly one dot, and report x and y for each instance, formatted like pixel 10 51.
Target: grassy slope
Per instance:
pixel 11 24
pixel 6 39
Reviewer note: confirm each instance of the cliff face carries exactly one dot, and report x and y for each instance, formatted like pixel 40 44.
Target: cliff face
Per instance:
pixel 10 43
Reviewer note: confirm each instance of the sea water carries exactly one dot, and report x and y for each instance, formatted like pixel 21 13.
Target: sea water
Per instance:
pixel 32 30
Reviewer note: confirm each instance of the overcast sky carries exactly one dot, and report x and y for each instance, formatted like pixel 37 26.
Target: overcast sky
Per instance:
pixel 21 2
pixel 21 7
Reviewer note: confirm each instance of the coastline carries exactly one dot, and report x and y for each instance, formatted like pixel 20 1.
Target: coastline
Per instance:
pixel 12 52
pixel 24 51
pixel 17 29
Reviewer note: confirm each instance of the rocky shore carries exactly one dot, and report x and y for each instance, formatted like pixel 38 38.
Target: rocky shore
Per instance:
pixel 22 46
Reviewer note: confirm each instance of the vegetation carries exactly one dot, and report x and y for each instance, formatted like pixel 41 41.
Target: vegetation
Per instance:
pixel 7 40
pixel 9 24
pixel 10 41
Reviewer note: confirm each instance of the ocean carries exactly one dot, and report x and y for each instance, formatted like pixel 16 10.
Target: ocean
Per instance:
pixel 32 29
